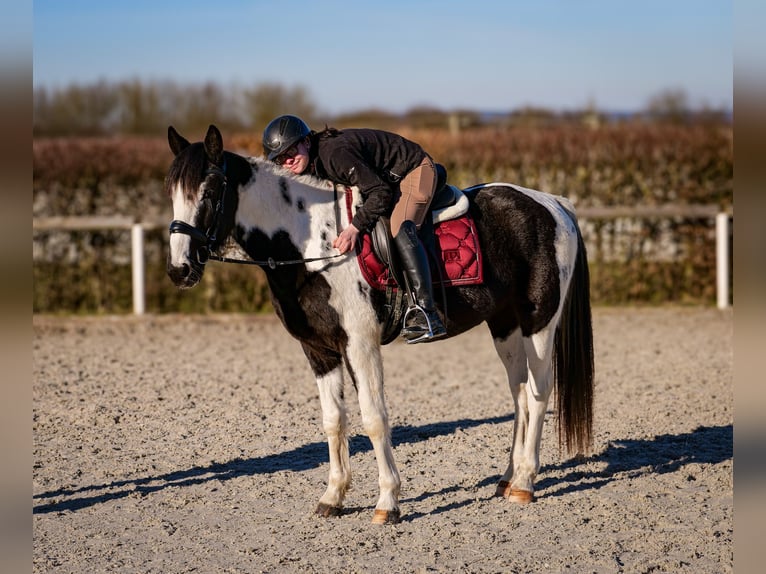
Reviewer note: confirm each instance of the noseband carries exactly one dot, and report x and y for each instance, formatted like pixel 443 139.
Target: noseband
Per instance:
pixel 208 239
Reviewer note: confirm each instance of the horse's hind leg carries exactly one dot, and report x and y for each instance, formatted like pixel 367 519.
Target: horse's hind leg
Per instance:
pixel 510 349
pixel 365 366
pixel 538 349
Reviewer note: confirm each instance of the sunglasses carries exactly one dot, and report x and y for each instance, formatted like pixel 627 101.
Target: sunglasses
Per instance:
pixel 291 152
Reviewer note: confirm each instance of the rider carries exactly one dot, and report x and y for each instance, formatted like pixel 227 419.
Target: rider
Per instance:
pixel 395 177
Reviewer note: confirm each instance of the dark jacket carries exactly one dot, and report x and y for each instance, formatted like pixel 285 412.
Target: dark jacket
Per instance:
pixel 373 160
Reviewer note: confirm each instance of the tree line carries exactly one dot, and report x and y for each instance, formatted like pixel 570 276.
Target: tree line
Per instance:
pixel 135 107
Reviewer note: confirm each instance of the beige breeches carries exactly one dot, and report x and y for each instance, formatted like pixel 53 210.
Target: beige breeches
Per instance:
pixel 417 189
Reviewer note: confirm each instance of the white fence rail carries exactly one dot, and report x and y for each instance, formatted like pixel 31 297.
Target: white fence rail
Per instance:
pixel 723 231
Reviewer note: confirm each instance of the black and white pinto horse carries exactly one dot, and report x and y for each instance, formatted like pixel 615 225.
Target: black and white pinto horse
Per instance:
pixel 534 298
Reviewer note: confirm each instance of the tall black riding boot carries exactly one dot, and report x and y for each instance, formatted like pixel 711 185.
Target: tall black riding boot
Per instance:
pixel 421 322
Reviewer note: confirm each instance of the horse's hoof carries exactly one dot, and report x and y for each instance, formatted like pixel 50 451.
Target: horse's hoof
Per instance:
pixel 503 489
pixel 520 496
pixel 386 517
pixel 326 511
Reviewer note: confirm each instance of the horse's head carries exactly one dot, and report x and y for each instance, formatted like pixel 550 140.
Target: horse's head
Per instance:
pixel 197 186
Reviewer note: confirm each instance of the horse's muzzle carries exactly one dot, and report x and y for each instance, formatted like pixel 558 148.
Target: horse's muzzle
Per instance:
pixel 186 275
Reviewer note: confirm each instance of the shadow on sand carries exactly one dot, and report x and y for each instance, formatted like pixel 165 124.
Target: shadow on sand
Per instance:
pixel 664 453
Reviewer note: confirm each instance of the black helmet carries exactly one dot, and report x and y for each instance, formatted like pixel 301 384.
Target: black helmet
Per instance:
pixel 282 133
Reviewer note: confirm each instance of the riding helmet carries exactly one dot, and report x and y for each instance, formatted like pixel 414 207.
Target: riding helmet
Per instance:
pixel 282 133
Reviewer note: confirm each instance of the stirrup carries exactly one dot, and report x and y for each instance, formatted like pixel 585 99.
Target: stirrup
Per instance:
pixel 417 333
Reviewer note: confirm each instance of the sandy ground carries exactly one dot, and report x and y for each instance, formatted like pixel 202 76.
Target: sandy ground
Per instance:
pixel 194 444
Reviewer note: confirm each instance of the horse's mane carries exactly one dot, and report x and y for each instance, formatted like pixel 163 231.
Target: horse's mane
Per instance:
pixel 279 171
pixel 189 166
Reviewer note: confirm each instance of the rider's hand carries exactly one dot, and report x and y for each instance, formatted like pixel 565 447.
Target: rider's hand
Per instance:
pixel 347 239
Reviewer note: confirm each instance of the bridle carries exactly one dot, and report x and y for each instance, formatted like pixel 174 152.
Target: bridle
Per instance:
pixel 205 239
pixel 208 238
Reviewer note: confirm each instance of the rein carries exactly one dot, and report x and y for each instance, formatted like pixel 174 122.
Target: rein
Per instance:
pixel 207 239
pixel 272 263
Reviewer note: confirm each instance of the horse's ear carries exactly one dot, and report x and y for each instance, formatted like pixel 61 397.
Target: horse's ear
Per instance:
pixel 177 142
pixel 214 145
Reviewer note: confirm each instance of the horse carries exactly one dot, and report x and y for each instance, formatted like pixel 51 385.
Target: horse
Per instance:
pixel 534 298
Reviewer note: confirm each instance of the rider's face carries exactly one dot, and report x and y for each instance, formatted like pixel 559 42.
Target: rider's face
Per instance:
pixel 296 159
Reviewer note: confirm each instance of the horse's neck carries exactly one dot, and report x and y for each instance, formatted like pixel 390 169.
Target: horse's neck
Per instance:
pixel 302 206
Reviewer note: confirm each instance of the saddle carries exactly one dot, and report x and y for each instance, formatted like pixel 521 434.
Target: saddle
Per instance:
pixel 449 236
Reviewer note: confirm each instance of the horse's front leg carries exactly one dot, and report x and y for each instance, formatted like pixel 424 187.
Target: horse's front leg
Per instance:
pixel 365 365
pixel 335 423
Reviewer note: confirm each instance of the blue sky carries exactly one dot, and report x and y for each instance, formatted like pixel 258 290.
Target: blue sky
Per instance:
pixel 489 55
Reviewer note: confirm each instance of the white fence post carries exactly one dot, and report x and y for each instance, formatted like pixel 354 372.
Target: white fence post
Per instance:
pixel 722 259
pixel 137 254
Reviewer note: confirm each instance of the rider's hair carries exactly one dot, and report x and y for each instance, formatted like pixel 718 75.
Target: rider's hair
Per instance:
pixel 327 132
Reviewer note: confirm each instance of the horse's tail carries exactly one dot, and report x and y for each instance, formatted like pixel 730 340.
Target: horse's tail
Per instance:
pixel 573 363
